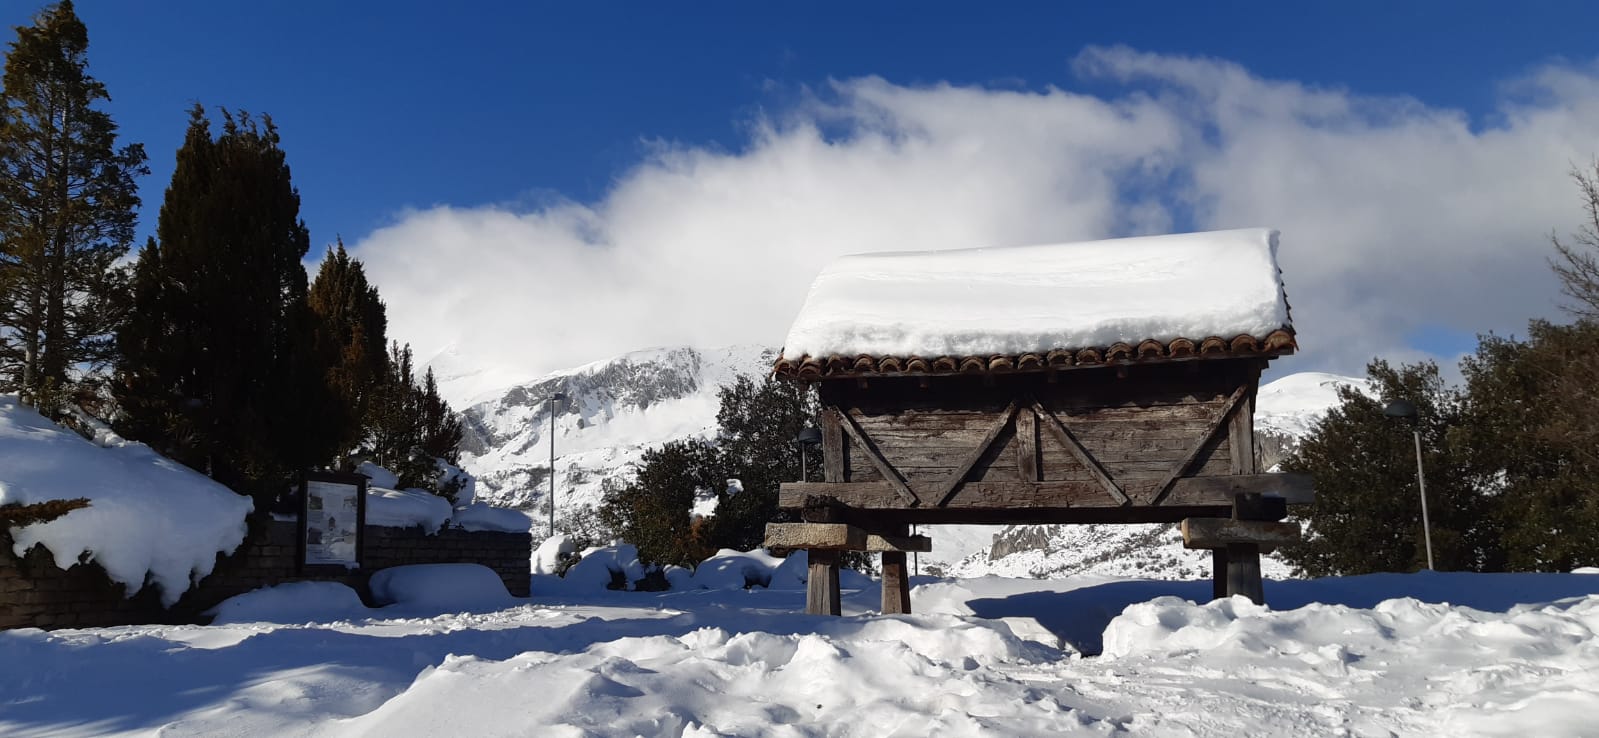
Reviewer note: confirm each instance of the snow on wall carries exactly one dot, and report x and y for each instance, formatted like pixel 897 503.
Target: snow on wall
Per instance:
pixel 148 516
pixel 1036 298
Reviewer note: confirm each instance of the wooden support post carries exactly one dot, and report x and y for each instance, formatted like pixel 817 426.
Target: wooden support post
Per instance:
pixel 834 450
pixel 1243 572
pixel 1027 445
pixel 821 588
pixel 1243 559
pixel 1218 573
pixel 896 584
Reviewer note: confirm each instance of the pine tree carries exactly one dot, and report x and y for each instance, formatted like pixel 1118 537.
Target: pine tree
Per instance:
pixel 67 211
pixel 351 328
pixel 410 427
pixel 441 427
pixel 392 427
pixel 216 364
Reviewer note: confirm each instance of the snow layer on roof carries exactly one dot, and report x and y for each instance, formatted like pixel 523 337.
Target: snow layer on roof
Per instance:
pixel 148 517
pixel 983 302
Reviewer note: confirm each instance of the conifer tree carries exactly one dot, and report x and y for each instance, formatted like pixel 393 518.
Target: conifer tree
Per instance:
pixel 216 365
pixel 392 426
pixel 410 426
pixel 67 211
pixel 441 427
pixel 351 326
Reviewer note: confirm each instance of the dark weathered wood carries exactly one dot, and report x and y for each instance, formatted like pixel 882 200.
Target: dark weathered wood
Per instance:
pixel 1241 435
pixel 896 584
pixel 1027 444
pixel 833 448
pixel 1157 455
pixel 823 509
pixel 864 443
pixel 943 492
pixel 1144 385
pixel 1064 437
pixel 1218 492
pixel 822 596
pixel 1243 572
pixel 1255 506
pixel 1181 467
pixel 1216 533
pixel 1218 573
pixel 1192 409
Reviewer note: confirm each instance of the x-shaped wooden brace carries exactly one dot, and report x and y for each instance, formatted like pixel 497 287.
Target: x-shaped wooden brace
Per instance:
pixel 946 489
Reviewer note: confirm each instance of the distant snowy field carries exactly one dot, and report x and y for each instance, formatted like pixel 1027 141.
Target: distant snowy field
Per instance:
pixel 1361 656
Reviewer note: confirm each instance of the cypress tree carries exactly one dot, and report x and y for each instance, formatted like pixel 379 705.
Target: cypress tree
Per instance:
pixel 351 326
pixel 67 210
pixel 217 367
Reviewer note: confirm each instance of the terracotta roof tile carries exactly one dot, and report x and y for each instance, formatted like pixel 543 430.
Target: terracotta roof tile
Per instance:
pixel 1277 343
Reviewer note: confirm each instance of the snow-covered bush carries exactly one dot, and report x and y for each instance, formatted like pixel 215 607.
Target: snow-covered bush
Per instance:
pixel 440 587
pixel 291 602
pixel 615 566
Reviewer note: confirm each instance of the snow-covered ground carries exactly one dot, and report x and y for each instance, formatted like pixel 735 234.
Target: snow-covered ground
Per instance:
pixel 1362 656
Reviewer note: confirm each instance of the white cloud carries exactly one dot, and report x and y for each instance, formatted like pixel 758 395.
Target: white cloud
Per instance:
pixel 1397 217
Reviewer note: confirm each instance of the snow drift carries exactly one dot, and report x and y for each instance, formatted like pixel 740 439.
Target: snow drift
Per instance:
pixel 150 519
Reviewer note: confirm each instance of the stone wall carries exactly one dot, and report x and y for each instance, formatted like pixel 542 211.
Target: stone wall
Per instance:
pixel 34 592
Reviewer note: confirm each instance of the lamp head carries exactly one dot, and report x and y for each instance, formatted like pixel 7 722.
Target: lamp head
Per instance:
pixel 1403 409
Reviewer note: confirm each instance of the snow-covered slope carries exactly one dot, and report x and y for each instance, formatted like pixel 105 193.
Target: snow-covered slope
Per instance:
pixel 1286 409
pixel 614 410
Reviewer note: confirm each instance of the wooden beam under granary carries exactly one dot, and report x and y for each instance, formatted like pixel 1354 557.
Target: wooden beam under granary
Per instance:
pixel 1104 382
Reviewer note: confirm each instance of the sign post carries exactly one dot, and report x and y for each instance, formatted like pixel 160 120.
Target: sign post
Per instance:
pixel 332 522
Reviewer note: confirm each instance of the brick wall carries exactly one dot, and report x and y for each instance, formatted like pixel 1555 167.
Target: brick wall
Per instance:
pixel 35 593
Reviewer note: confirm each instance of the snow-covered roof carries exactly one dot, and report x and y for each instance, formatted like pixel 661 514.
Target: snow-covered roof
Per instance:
pixel 1179 296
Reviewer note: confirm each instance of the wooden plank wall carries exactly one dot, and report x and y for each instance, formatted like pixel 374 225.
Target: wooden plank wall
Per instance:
pixel 1137 426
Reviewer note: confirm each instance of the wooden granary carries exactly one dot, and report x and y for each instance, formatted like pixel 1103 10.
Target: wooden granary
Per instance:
pixel 1099 382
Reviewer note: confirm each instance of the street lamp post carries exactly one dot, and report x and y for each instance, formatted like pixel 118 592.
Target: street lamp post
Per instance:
pixel 557 397
pixel 1406 410
pixel 807 437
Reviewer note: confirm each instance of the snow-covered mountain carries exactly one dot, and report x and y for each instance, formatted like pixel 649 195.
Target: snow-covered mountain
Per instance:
pixel 619 407
pixel 614 410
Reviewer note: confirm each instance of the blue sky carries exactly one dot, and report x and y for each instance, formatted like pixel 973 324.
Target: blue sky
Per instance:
pixel 669 159
pixel 384 105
